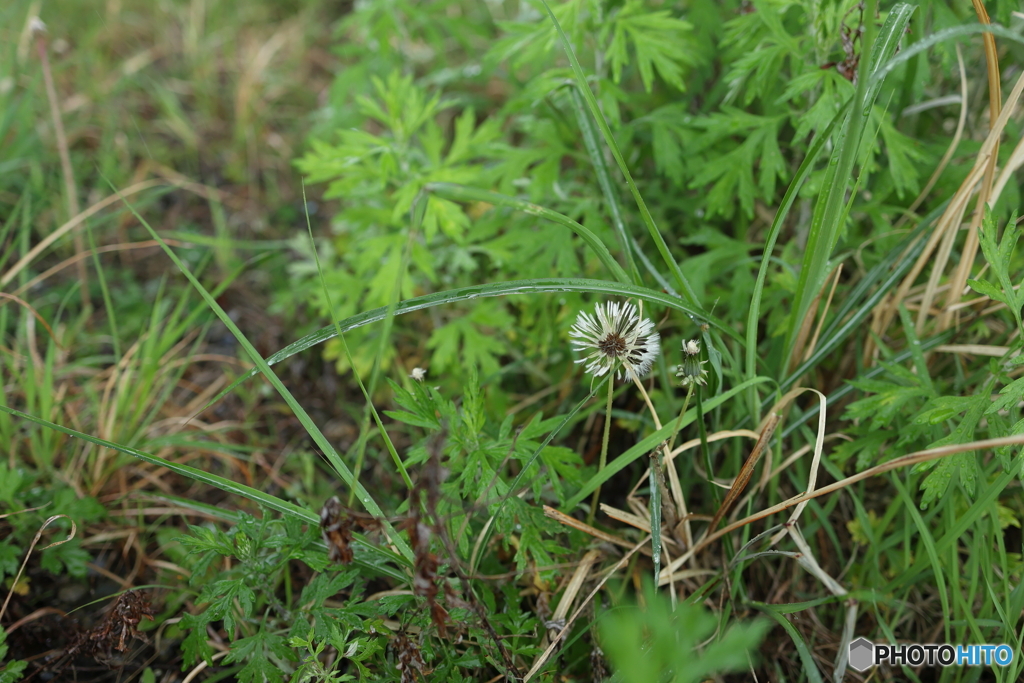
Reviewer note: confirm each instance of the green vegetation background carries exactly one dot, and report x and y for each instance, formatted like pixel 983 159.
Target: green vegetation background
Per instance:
pixel 255 220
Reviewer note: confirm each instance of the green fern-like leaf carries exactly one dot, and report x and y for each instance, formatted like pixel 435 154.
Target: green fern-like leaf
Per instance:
pixel 659 42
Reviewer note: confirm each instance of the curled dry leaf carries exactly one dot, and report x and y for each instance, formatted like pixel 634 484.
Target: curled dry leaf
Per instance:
pixel 113 632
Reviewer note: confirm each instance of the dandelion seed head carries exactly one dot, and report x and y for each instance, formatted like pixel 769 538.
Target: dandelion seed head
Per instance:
pixel 691 347
pixel 615 337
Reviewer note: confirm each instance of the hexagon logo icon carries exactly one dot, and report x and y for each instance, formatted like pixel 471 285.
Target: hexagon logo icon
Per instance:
pixel 862 654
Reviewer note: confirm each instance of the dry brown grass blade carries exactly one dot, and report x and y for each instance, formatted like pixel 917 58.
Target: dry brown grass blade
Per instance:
pixel 958 281
pixel 633 520
pixel 575 583
pixel 679 500
pixel 77 258
pixel 995 93
pixel 31 547
pixel 995 98
pixel 802 499
pixel 568 626
pixel 565 519
pixel 824 313
pixel 717 436
pixel 747 471
pixel 74 223
pixel 948 222
pixel 805 328
pixel 34 312
pixel 975 349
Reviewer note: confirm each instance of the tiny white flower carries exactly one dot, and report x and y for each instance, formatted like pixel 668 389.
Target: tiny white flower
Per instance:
pixel 418 374
pixel 692 370
pixel 616 338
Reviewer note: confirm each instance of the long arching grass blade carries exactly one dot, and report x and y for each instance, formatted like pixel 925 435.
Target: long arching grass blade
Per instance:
pixel 534 286
pixel 367 396
pixel 314 432
pixel 940 37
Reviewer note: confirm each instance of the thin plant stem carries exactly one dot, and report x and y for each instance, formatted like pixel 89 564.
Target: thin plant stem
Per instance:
pixel 706 451
pixel 679 420
pixel 67 171
pixel 647 400
pixel 604 445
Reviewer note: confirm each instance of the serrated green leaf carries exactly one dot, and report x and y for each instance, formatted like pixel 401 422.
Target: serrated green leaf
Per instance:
pixel 658 40
pixel 254 652
pixel 965 464
pixel 1009 396
pixel 986 288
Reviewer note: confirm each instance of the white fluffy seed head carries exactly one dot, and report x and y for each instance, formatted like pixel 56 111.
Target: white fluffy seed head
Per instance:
pixel 615 337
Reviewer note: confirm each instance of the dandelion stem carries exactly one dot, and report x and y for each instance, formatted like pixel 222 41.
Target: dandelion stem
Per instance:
pixel 604 446
pixel 679 420
pixel 647 400
pixel 706 451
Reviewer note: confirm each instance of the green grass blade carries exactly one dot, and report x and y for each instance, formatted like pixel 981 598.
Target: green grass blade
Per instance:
pixel 705 452
pixel 806 658
pixel 108 304
pixel 314 432
pixel 417 210
pixel 982 505
pixel 754 313
pixel 348 356
pixel 925 535
pixel 941 37
pixel 830 210
pixel 609 139
pixel 226 485
pixel 463 193
pixel 655 503
pixel 586 124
